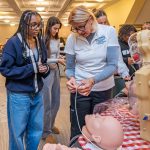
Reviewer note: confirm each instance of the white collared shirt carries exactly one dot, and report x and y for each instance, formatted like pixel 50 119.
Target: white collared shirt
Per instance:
pixel 91 58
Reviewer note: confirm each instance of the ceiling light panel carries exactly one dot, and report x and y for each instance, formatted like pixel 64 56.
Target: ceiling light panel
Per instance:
pixel 6 21
pixel 40 8
pixel 86 4
pixel 12 9
pixel 40 0
pixel 31 3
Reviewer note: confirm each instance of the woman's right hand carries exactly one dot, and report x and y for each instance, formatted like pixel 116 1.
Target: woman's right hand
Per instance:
pixel 130 61
pixel 85 86
pixel 62 61
pixel 71 85
pixel 42 68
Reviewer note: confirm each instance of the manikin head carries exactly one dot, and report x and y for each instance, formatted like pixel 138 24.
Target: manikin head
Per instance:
pixel 105 131
pixel 140 44
pixel 143 39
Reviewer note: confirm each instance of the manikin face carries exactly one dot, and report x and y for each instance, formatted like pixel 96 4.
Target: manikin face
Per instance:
pixel 35 25
pixel 83 28
pixel 102 129
pixel 95 122
pixel 102 20
pixel 55 29
pixel 143 38
pixel 93 125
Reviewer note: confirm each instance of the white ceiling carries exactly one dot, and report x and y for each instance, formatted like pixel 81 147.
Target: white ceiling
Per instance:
pixel 11 10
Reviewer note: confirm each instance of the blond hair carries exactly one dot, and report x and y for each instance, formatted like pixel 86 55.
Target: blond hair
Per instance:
pixel 80 14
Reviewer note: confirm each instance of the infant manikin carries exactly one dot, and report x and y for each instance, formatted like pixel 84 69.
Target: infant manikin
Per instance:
pixel 104 131
pixel 140 45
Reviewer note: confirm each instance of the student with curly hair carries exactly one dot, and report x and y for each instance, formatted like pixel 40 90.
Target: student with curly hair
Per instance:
pixel 124 33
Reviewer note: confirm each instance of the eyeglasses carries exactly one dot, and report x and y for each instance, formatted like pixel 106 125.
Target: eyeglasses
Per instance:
pixel 80 28
pixel 35 25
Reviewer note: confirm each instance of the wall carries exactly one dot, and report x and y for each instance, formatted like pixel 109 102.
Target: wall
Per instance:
pixel 144 13
pixel 6 31
pixel 64 31
pixel 118 12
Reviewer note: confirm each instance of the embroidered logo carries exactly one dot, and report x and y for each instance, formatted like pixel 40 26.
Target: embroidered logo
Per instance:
pixel 101 40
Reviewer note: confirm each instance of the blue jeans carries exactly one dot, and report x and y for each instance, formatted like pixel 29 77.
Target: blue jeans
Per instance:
pixel 25 120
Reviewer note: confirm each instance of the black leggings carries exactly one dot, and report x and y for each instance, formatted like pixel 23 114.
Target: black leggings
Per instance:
pixel 85 105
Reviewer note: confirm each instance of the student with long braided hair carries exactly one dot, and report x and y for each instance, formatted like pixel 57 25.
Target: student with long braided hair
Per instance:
pixel 23 65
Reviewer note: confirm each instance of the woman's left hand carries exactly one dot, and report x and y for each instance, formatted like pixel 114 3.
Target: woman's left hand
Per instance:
pixel 127 78
pixel 85 87
pixel 42 68
pixel 62 60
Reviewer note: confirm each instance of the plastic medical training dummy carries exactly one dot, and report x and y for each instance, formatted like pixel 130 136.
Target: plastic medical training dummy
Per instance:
pixel 104 132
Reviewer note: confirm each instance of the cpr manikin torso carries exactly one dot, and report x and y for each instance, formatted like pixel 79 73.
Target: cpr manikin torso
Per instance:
pixel 142 80
pixel 132 97
pixel 104 131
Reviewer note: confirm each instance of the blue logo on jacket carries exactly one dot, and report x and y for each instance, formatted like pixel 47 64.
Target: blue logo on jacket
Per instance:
pixel 101 40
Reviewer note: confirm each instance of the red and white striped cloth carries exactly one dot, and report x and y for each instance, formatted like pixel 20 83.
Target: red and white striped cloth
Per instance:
pixel 131 128
pixel 86 145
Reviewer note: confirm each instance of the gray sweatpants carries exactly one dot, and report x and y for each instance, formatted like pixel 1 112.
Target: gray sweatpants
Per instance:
pixel 51 96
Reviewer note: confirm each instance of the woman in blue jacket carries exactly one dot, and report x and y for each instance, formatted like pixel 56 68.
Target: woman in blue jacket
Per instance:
pixel 23 64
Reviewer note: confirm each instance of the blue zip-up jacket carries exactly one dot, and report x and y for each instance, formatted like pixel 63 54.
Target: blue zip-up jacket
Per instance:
pixel 21 75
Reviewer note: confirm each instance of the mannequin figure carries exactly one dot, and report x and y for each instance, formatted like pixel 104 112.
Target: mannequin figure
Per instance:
pixel 104 131
pixel 142 80
pixel 132 98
